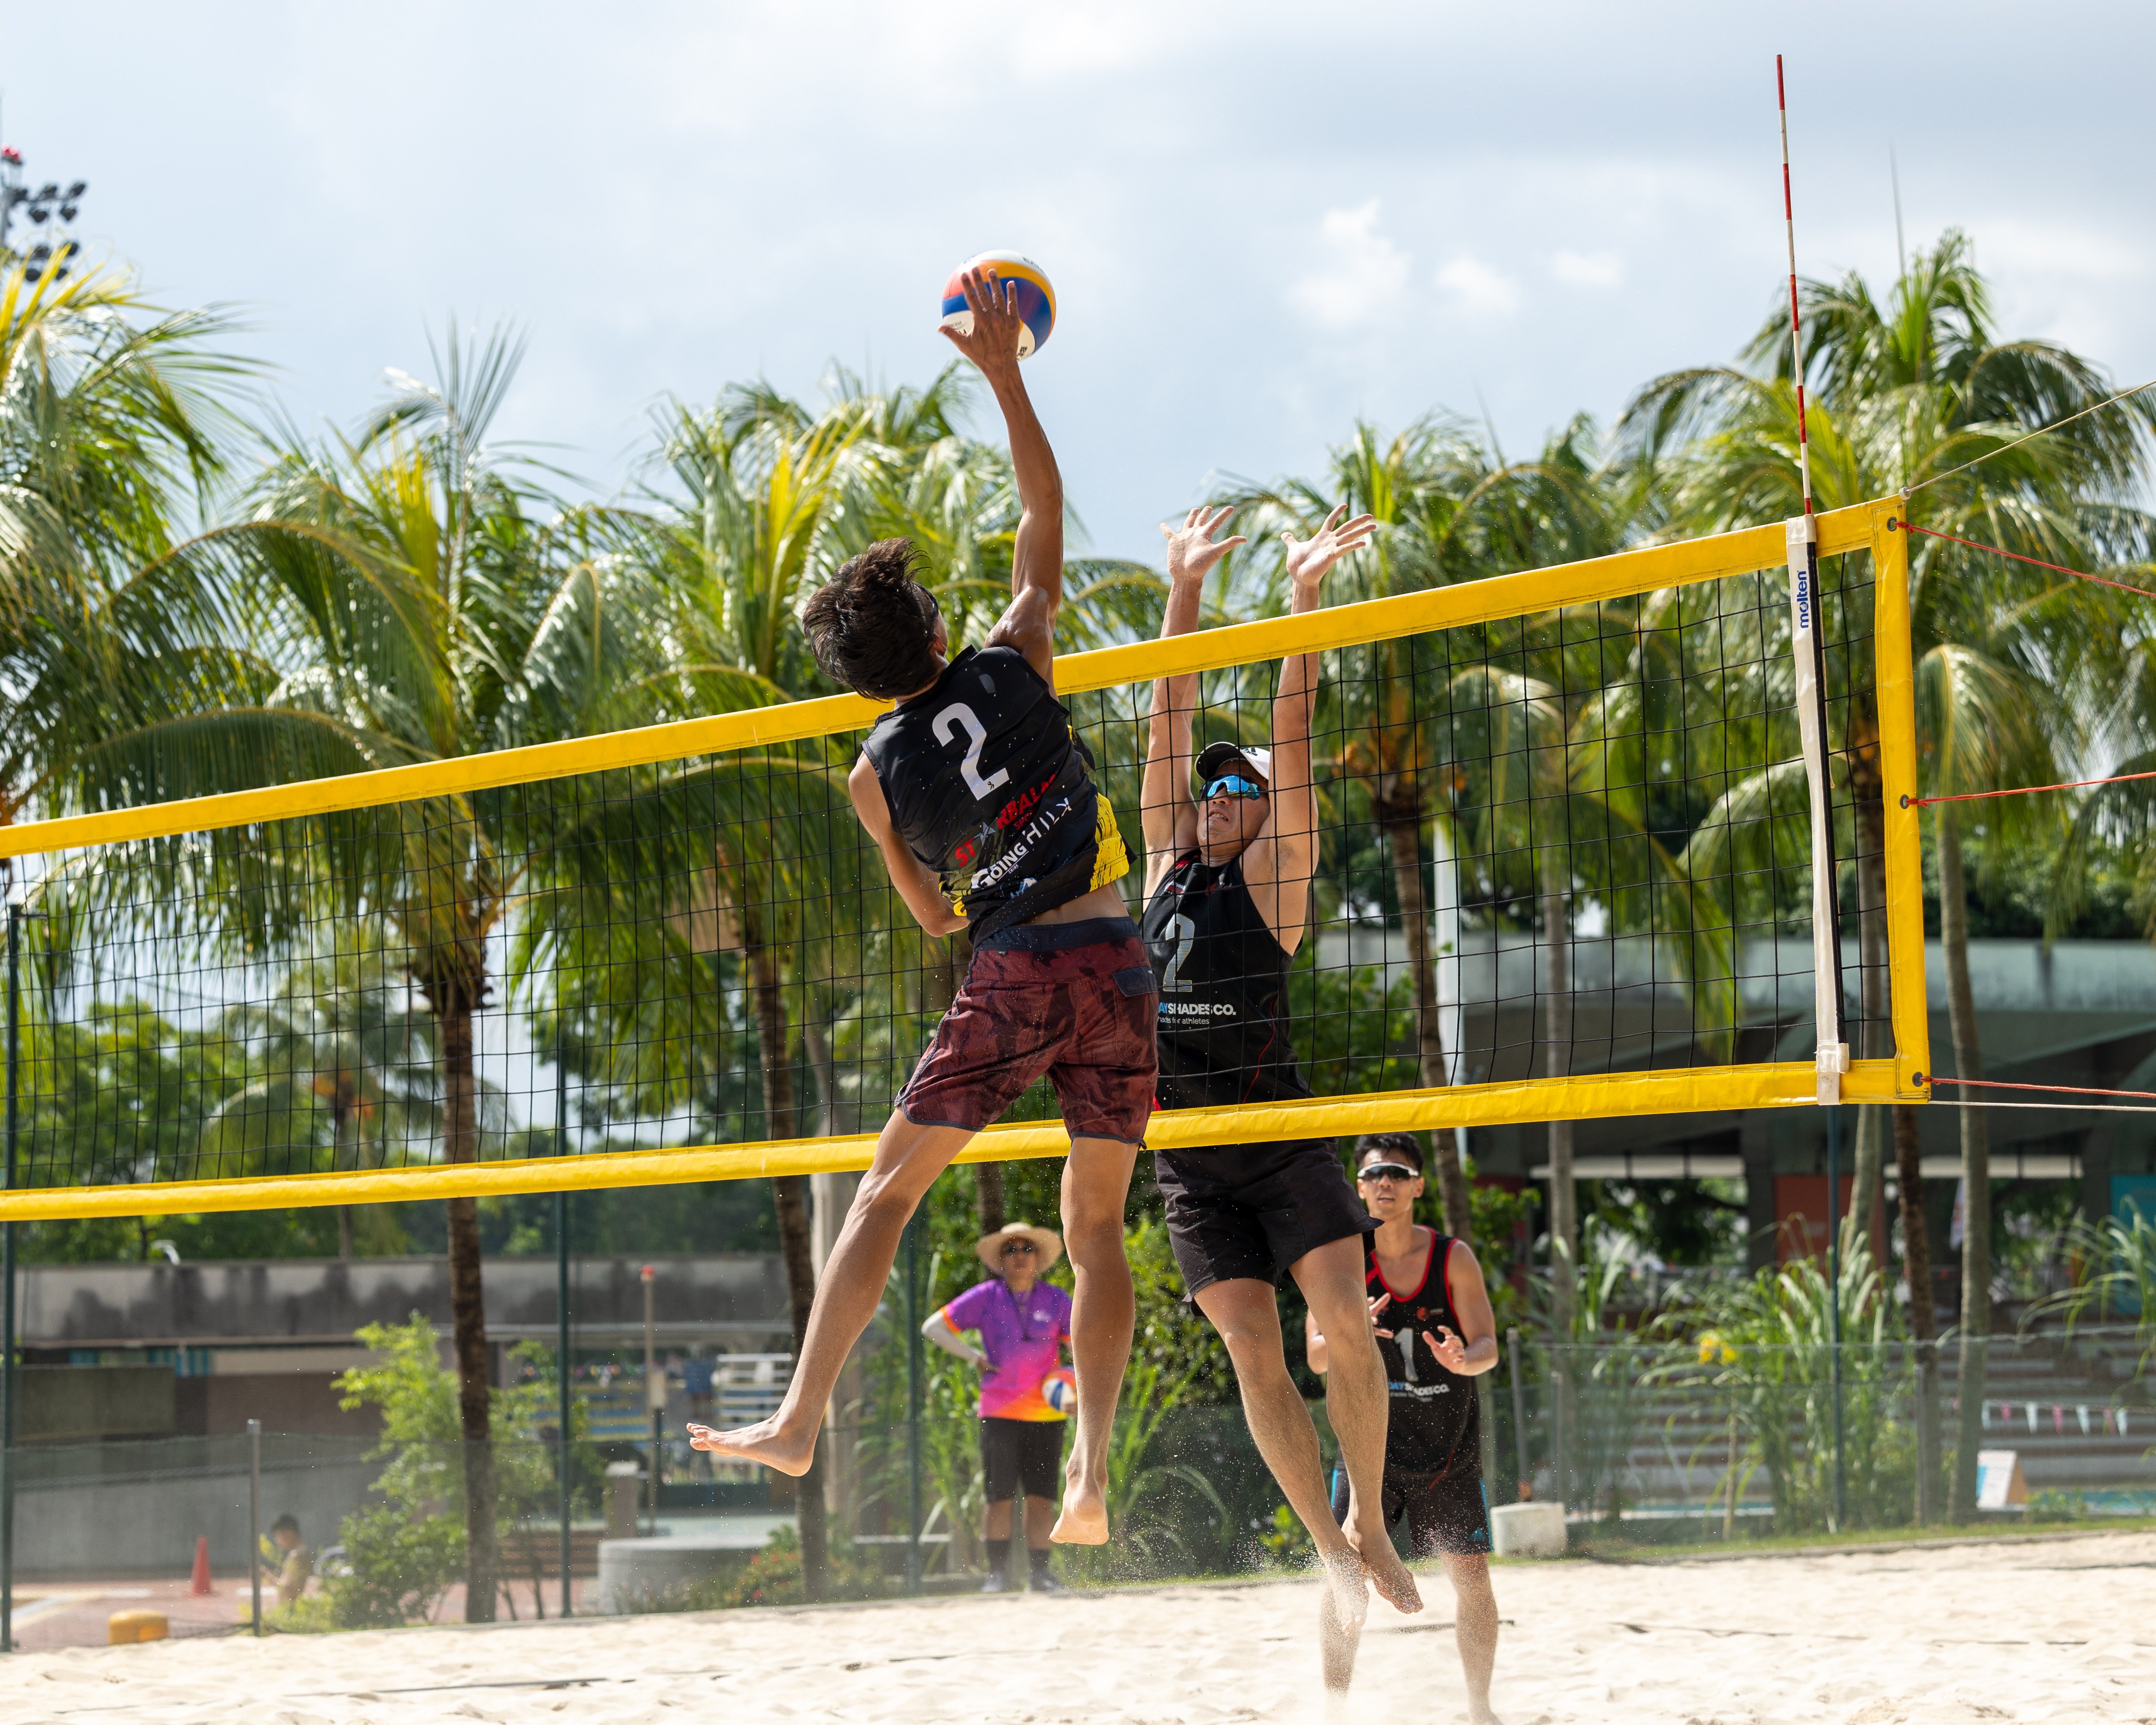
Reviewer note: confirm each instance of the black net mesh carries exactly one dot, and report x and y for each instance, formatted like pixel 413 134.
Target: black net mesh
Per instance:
pixel 1565 844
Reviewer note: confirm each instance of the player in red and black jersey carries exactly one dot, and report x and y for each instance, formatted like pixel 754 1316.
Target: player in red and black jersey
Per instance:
pixel 982 802
pixel 1227 901
pixel 1436 1333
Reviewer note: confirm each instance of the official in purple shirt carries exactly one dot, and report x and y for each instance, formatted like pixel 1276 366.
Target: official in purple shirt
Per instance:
pixel 1023 1322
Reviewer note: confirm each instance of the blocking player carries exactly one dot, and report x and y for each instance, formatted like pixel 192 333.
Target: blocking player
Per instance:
pixel 1436 1334
pixel 980 798
pixel 1227 898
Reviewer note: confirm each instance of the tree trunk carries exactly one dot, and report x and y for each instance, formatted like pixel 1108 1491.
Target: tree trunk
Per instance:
pixel 1975 1168
pixel 1867 792
pixel 1916 1271
pixel 790 1195
pixel 454 1000
pixel 1564 1200
pixel 989 1195
pixel 345 1248
pixel 1403 827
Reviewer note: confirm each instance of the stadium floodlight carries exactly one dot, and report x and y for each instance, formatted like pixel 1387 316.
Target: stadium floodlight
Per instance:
pixel 49 204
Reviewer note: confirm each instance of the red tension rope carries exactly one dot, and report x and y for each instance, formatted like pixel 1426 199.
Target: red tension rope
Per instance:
pixel 2016 556
pixel 2078 784
pixel 2064 1089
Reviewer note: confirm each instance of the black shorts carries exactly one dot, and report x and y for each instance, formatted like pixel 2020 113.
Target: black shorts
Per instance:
pixel 1248 1211
pixel 1450 1516
pixel 1022 1455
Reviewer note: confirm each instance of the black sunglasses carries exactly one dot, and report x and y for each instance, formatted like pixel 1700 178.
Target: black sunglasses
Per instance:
pixel 1023 1246
pixel 1388 1171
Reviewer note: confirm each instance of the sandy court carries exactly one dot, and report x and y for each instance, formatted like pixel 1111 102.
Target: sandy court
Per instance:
pixel 2061 1630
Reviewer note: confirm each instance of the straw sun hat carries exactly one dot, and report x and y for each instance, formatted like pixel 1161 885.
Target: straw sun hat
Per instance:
pixel 1047 1245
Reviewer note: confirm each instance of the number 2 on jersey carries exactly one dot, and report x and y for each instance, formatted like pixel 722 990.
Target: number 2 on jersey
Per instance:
pixel 959 717
pixel 1184 932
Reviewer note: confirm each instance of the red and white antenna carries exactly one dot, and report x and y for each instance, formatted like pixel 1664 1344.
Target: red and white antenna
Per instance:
pixel 1808 654
pixel 1796 324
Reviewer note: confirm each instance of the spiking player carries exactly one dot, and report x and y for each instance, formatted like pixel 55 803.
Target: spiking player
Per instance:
pixel 980 798
pixel 1227 898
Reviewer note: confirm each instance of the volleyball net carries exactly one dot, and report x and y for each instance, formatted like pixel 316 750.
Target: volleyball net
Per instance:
pixel 1599 839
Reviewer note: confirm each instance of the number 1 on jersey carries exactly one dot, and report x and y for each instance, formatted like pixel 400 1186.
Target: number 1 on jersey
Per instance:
pixel 959 717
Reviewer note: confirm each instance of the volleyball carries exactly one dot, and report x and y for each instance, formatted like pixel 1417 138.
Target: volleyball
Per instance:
pixel 1034 298
pixel 1059 1390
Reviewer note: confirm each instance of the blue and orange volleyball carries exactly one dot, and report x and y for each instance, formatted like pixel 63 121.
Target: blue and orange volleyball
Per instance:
pixel 1035 297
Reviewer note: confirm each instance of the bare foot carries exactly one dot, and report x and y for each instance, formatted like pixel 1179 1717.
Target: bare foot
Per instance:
pixel 1341 1611
pixel 1387 1574
pixel 1480 1714
pixel 762 1442
pixel 1085 1517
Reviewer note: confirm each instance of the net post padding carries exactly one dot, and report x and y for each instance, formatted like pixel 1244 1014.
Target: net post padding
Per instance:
pixel 1830 1057
pixel 1778 1084
pixel 1894 689
pixel 1781 1084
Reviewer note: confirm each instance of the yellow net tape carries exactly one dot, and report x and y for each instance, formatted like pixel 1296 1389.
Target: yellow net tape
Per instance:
pixel 1500 1099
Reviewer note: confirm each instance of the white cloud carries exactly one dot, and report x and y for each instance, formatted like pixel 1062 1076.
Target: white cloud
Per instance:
pixel 1590 269
pixel 1478 289
pixel 1363 273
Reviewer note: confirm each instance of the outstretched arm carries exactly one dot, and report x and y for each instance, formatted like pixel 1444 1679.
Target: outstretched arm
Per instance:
pixel 1168 816
pixel 1278 866
pixel 1037 556
pixel 916 882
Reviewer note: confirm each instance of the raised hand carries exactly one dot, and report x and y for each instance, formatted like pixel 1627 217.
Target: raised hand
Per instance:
pixel 1308 559
pixel 992 343
pixel 1450 1351
pixel 1378 1305
pixel 1191 548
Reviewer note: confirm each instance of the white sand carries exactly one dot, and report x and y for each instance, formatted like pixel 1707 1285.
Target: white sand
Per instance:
pixel 2054 1630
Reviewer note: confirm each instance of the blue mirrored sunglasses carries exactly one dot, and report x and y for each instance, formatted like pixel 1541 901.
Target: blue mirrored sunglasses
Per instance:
pixel 1230 786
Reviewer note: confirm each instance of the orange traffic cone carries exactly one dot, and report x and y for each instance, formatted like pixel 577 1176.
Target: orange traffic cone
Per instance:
pixel 199 1583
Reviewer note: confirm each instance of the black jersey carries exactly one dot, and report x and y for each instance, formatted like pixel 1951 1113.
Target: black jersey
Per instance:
pixel 1433 1429
pixel 988 785
pixel 1223 991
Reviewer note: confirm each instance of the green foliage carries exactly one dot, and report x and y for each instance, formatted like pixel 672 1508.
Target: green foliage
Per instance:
pixel 2115 1260
pixel 404 1552
pixel 401 1566
pixel 1762 1343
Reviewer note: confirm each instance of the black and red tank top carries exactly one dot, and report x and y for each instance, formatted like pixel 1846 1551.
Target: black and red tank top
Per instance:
pixel 1223 991
pixel 988 785
pixel 1433 1429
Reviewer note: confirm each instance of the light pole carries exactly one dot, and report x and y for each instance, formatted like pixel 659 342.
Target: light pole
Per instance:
pixel 41 206
pixel 654 1390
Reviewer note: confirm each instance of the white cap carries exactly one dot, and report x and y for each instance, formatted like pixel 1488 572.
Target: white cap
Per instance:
pixel 1215 757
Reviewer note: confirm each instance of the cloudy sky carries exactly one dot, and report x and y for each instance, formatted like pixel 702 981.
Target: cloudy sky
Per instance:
pixel 1262 220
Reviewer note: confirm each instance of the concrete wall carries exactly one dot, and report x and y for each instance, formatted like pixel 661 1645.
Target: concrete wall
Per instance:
pixel 738 1297
pixel 136 1509
pixel 64 1402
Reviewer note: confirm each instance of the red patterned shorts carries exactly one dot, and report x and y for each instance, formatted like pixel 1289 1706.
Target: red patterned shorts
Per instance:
pixel 1074 1000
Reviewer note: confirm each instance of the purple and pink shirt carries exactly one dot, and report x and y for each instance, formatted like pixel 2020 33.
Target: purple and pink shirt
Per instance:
pixel 1023 1337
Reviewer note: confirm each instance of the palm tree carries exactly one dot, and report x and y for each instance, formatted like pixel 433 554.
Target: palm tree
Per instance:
pixel 336 1052
pixel 1904 395
pixel 112 434
pixel 434 603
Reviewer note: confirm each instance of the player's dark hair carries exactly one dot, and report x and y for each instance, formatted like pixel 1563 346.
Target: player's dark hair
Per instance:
pixel 1393 1146
pixel 872 626
pixel 287 1522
